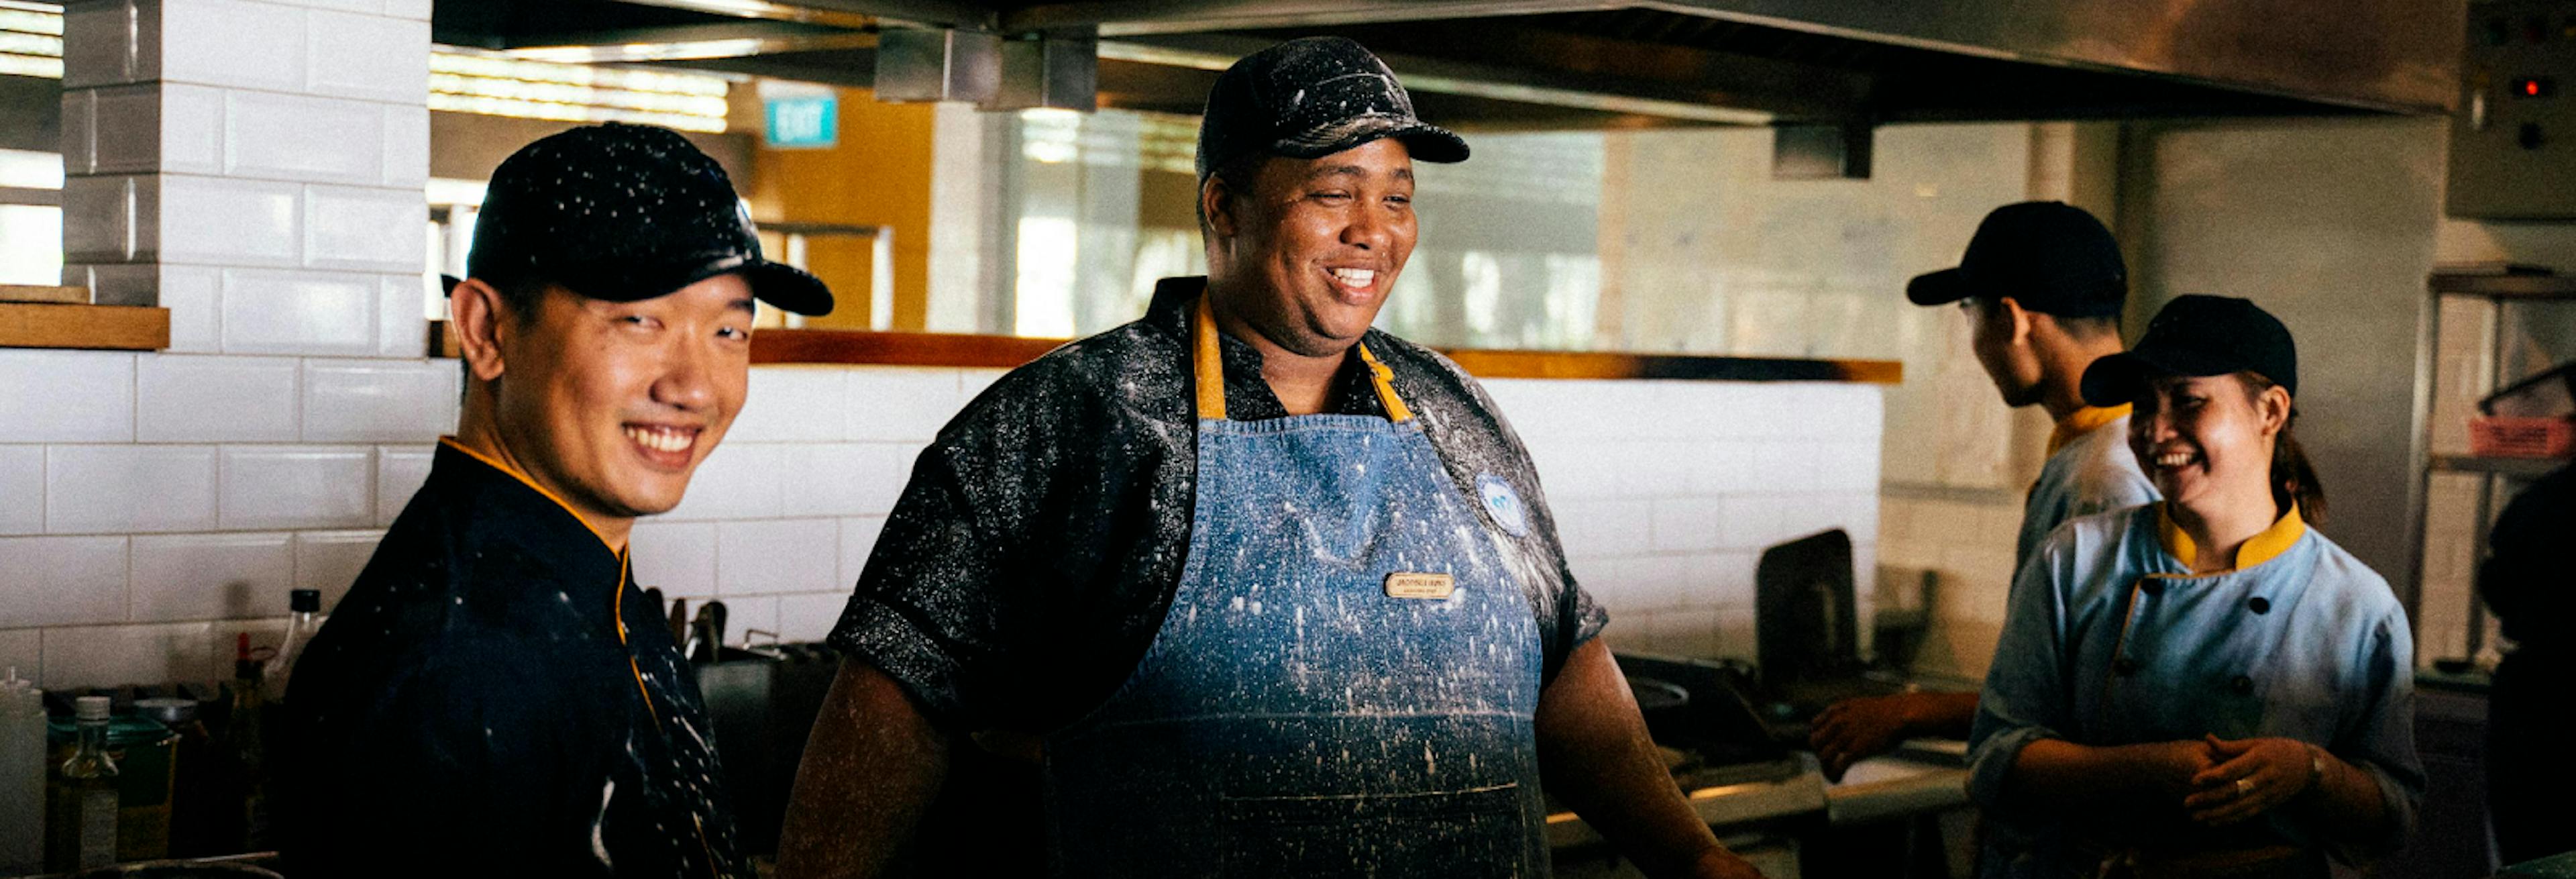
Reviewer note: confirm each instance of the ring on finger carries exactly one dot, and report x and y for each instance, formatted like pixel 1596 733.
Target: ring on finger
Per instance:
pixel 2244 786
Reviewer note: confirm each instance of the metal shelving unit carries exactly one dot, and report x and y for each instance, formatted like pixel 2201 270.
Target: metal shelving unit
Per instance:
pixel 2504 293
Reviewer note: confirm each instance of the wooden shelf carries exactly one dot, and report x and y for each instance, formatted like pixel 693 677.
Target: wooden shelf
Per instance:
pixel 2524 468
pixel 895 349
pixel 850 347
pixel 2540 287
pixel 47 295
pixel 99 327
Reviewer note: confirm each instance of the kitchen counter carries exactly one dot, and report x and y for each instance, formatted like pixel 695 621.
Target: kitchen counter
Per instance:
pixel 1722 801
pixel 1922 777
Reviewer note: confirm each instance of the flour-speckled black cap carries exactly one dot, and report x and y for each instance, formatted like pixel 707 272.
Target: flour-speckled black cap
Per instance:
pixel 625 212
pixel 1309 98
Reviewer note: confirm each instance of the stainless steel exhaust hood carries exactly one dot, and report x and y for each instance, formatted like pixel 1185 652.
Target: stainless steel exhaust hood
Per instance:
pixel 1594 64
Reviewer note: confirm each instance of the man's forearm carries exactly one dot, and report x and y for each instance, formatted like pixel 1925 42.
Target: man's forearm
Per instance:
pixel 2347 800
pixel 2056 772
pixel 872 766
pixel 1595 755
pixel 1945 715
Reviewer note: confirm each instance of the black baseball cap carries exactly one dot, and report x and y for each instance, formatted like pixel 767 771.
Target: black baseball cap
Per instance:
pixel 2049 256
pixel 1309 98
pixel 2195 336
pixel 623 213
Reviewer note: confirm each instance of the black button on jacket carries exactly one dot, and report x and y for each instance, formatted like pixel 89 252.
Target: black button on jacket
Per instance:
pixel 495 698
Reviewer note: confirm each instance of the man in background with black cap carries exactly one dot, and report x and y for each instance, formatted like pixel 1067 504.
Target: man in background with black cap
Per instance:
pixel 1268 592
pixel 2042 286
pixel 495 697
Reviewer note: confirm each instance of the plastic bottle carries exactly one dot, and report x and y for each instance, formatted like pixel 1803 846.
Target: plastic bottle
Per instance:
pixel 81 802
pixel 22 776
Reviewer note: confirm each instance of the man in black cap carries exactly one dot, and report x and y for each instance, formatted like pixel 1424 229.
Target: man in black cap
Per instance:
pixel 1267 591
pixel 494 696
pixel 2042 285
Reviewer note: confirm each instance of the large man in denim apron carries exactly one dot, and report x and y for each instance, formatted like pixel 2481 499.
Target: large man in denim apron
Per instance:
pixel 1272 593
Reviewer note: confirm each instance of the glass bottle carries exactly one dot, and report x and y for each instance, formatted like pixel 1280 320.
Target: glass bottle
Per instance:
pixel 249 746
pixel 306 607
pixel 80 802
pixel 194 800
pixel 24 762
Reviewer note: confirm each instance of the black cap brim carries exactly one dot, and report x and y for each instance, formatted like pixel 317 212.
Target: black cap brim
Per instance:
pixel 2122 378
pixel 1424 141
pixel 783 286
pixel 788 288
pixel 1937 288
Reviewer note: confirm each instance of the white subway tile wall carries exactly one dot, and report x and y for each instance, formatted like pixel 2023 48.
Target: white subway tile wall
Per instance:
pixel 66 397
pixel 328 561
pixel 379 400
pixel 252 166
pixel 1665 494
pixel 1966 542
pixel 192 398
pixel 298 486
pixel 179 577
pixel 22 489
pixel 129 489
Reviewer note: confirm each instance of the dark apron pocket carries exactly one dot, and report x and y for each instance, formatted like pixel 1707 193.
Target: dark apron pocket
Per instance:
pixel 1470 833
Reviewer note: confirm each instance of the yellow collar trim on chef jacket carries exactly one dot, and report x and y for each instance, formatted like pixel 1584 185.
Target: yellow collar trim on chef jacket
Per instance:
pixel 2260 548
pixel 1208 365
pixel 495 463
pixel 2084 421
pixel 617 604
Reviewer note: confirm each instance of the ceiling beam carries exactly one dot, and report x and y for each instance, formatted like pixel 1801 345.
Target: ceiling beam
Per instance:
pixel 1122 18
pixel 694 42
pixel 914 13
pixel 1441 76
pixel 768 11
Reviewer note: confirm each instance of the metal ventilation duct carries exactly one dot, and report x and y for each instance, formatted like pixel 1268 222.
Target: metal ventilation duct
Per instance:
pixel 1588 63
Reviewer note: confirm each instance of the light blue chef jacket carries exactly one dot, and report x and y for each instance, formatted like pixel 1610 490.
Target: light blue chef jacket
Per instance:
pixel 2090 470
pixel 2299 640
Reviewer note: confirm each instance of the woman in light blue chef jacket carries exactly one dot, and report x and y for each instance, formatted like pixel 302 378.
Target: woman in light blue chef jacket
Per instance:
pixel 2204 687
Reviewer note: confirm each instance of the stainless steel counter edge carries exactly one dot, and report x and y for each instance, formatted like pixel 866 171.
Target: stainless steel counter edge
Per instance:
pixel 1719 806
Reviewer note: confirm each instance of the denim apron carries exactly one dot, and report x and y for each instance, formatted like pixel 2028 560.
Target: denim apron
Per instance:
pixel 1344 683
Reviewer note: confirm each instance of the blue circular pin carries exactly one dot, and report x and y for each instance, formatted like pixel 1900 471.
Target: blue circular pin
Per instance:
pixel 1504 504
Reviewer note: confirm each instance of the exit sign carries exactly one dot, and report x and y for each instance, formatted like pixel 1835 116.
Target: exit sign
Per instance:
pixel 804 121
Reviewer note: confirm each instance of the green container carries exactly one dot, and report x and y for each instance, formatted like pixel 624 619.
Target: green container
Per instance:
pixel 146 755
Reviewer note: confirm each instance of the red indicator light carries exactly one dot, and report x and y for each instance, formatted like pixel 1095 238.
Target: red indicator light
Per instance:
pixel 2534 87
pixel 2531 88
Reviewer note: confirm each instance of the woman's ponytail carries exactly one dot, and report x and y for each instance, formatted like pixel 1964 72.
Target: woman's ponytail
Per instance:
pixel 2294 479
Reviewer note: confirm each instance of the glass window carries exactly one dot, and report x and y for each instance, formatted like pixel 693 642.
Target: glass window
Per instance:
pixel 31 235
pixel 31 245
pixel 31 170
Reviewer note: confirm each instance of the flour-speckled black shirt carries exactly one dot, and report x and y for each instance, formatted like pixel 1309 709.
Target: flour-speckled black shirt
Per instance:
pixel 494 697
pixel 1029 562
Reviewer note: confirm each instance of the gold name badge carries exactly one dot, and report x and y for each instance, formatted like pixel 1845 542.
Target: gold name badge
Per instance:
pixel 1429 586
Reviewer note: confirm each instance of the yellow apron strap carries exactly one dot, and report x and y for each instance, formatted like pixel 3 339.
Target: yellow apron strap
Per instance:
pixel 1384 379
pixel 1209 368
pixel 1204 358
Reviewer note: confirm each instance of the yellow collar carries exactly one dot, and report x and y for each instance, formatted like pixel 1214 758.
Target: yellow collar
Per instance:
pixel 2257 549
pixel 1209 369
pixel 495 463
pixel 2083 421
